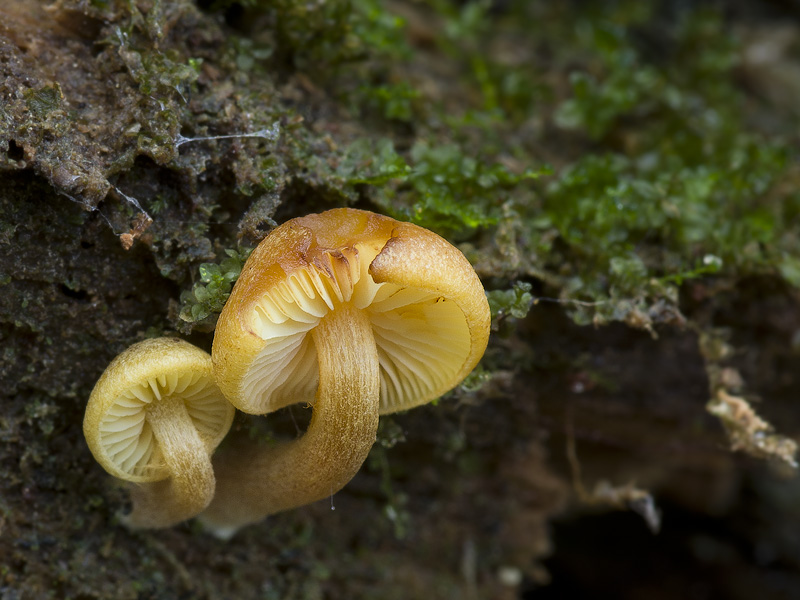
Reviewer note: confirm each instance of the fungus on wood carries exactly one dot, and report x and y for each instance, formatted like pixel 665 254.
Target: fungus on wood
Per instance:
pixel 354 313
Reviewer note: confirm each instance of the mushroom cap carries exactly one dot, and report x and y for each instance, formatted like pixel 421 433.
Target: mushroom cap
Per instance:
pixel 428 311
pixel 154 370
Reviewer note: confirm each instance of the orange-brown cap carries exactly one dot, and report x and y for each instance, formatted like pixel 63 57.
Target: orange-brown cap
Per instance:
pixel 426 305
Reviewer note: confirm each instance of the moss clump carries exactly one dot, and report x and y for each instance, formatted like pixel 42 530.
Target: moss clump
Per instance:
pixel 515 302
pixel 208 296
pixel 448 189
pixel 678 187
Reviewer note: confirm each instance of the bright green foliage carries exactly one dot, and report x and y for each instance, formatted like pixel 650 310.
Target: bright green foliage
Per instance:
pixel 208 296
pixel 453 190
pixel 675 187
pixel 515 302
pixel 340 178
pixel 626 86
pixel 627 225
pixel 691 196
pixel 442 187
pixel 465 27
pixel 379 39
pixel 380 33
pixel 446 189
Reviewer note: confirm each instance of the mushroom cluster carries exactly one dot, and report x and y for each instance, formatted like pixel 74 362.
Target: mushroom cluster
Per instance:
pixel 355 314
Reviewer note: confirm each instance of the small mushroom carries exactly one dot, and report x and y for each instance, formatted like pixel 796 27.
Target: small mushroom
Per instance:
pixel 354 313
pixel 154 418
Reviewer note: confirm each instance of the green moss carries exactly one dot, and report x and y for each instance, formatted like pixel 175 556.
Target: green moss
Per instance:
pixel 515 302
pixel 208 296
pixel 44 100
pixel 249 54
pixel 163 76
pixel 381 33
pixel 391 101
pixel 451 190
pixel 442 187
pixel 691 196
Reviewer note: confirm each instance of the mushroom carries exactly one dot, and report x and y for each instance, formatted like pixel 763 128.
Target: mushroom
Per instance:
pixel 154 418
pixel 354 313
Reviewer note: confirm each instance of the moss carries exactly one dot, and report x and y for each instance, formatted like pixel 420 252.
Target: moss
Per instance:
pixel 515 302
pixel 43 101
pixel 208 296
pixel 677 202
pixel 317 38
pixel 393 101
pixel 475 380
pixel 451 191
pixel 442 187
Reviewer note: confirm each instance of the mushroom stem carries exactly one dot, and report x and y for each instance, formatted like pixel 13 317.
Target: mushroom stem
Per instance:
pixel 190 486
pixel 255 483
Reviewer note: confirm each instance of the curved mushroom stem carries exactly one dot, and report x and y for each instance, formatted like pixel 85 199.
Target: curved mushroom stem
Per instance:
pixel 190 486
pixel 254 483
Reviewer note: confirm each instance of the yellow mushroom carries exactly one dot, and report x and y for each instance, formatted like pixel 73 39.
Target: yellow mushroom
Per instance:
pixel 154 418
pixel 354 313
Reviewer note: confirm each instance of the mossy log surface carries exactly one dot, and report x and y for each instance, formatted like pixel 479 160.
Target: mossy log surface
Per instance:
pixel 623 179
